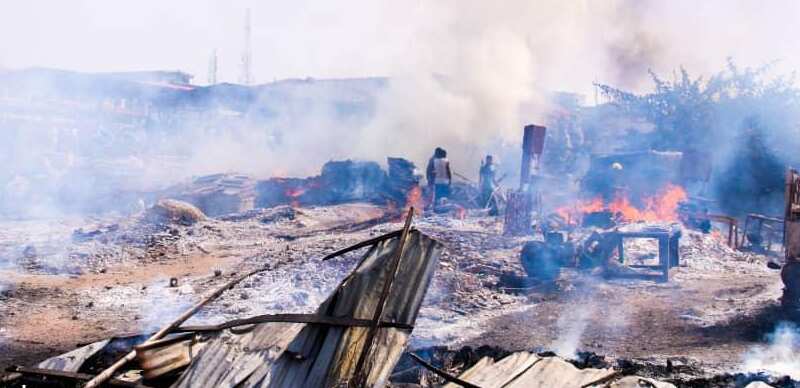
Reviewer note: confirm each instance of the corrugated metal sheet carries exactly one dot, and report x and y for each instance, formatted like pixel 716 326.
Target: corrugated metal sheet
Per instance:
pixel 72 361
pixel 310 355
pixel 527 370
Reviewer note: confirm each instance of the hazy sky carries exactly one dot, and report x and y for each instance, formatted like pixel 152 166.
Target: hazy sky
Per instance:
pixel 290 39
pixel 571 43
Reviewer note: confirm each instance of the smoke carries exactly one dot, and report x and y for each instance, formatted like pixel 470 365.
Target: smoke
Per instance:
pixel 780 356
pixel 572 323
pixel 464 75
pixel 590 306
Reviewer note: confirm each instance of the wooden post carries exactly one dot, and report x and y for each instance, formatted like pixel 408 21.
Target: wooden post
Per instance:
pixel 517 221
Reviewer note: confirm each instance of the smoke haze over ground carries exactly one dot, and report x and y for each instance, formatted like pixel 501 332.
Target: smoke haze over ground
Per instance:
pixel 463 75
pixel 106 107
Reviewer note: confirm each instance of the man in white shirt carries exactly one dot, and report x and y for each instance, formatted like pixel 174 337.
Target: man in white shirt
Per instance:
pixel 438 172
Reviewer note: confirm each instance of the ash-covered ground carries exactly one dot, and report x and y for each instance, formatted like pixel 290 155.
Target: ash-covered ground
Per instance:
pixel 73 281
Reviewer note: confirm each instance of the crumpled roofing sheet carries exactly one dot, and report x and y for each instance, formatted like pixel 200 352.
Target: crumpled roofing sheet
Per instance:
pixel 527 370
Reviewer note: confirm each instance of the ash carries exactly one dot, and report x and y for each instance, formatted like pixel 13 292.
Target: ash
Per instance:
pixel 93 278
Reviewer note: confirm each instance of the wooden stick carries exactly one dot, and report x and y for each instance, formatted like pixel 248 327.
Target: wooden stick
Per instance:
pixel 462 177
pixel 108 372
pixel 360 374
pixel 441 373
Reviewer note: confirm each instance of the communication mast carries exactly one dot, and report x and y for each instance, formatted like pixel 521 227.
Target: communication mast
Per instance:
pixel 212 68
pixel 246 77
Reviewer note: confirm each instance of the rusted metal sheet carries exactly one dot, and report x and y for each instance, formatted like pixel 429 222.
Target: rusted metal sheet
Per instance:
pixel 532 148
pixel 313 355
pixel 792 216
pixel 790 273
pixel 161 357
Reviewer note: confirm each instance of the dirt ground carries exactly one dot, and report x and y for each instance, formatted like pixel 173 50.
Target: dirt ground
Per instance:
pixel 716 307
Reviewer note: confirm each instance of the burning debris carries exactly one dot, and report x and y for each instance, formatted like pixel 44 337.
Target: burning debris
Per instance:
pixel 608 265
pixel 662 207
pixel 218 194
pixel 346 181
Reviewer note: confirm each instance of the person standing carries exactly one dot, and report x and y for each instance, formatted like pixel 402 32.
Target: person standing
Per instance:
pixel 430 174
pixel 438 173
pixel 488 184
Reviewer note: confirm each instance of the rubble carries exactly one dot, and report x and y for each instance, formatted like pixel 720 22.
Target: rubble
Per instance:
pixel 481 292
pixel 218 194
pixel 340 182
pixel 406 260
pixel 468 295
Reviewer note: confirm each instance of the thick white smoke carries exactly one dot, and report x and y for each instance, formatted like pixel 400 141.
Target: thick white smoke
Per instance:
pixel 464 75
pixel 780 357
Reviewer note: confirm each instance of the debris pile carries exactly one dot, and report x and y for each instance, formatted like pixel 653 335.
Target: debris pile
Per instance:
pixel 355 337
pixel 219 194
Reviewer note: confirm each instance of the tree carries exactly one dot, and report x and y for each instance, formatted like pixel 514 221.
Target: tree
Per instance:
pixel 747 121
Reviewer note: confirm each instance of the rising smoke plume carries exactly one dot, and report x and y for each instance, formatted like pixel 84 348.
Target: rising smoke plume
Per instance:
pixel 464 75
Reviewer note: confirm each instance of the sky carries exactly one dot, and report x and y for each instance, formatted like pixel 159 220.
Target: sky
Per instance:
pixel 566 44
pixel 318 39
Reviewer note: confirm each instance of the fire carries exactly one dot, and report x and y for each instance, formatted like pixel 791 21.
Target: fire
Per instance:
pixel 294 193
pixel 660 207
pixel 414 198
pixel 570 213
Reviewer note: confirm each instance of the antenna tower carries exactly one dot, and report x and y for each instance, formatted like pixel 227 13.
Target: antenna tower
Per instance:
pixel 246 77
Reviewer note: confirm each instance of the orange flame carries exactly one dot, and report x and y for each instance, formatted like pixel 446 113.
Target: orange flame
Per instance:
pixel 414 198
pixel 660 207
pixel 294 193
pixel 571 213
